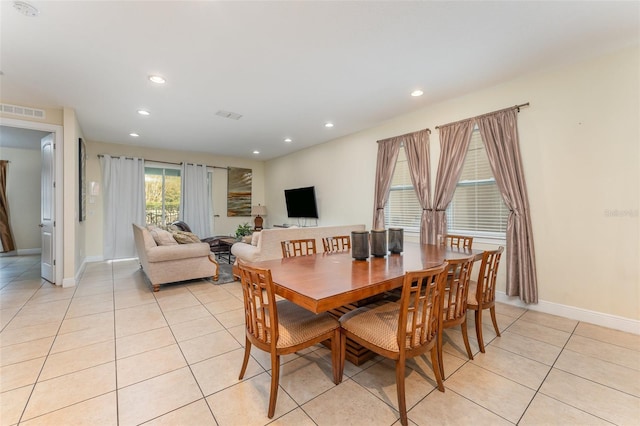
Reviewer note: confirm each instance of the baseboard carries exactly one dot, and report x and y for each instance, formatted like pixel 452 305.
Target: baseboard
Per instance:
pixel 69 282
pixel 21 252
pixel 90 259
pixel 598 318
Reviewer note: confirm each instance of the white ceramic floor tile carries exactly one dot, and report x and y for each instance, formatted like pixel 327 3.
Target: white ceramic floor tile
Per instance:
pixel 70 389
pixel 363 408
pixel 222 371
pixel 149 364
pixel 490 391
pixel 101 410
pixel 247 402
pixel 449 408
pixel 196 413
pixel 155 397
pixel 601 401
pixel 548 411
pixel 603 372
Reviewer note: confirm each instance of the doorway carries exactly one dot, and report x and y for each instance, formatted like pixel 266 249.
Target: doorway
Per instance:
pixel 35 131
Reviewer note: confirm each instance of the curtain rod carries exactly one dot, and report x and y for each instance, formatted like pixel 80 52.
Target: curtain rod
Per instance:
pixel 164 162
pixel 406 134
pixel 483 115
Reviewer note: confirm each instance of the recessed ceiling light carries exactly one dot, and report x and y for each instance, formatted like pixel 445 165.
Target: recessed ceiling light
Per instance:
pixel 417 93
pixel 26 9
pixel 328 124
pixel 158 79
pixel 134 135
pixel 256 152
pixel 143 112
pixel 288 140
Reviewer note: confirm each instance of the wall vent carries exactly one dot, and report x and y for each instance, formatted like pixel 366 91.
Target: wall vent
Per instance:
pixel 229 114
pixel 22 111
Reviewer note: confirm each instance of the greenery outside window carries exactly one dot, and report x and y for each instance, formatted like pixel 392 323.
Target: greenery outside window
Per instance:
pixel 162 193
pixel 477 207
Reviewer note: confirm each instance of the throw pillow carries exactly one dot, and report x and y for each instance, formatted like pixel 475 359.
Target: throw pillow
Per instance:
pixel 255 238
pixel 162 237
pixel 184 237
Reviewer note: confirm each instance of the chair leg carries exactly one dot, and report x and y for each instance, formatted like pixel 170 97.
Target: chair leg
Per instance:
pixel 465 337
pixel 275 377
pixel 479 329
pixel 493 319
pixel 436 368
pixel 336 354
pixel 439 345
pixel 247 351
pixel 402 403
pixel 343 353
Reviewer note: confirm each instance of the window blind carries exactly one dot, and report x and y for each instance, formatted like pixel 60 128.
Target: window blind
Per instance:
pixel 477 207
pixel 402 209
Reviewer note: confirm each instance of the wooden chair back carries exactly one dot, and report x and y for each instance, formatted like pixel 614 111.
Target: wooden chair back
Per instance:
pixel 336 244
pixel 457 241
pixel 303 247
pixel 420 316
pixel 456 290
pixel 261 315
pixel 487 275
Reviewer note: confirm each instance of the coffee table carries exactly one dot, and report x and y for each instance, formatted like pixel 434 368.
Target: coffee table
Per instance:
pixel 221 246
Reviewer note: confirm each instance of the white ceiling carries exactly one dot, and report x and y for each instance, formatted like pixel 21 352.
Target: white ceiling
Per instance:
pixel 287 67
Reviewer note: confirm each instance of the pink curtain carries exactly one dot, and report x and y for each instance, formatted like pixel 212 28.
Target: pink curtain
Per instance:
pixel 416 146
pixel 387 155
pixel 499 132
pixel 454 143
pixel 6 237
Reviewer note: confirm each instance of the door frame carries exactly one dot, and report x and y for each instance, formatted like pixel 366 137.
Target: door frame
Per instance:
pixel 58 139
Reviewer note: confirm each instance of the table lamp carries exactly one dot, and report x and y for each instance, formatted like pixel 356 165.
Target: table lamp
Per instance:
pixel 258 211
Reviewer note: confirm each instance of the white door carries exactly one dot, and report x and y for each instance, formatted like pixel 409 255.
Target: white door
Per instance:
pixel 48 209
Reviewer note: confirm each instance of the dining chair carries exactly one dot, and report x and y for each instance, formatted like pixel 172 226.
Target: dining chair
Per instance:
pixel 336 244
pixel 482 293
pixel 281 327
pixel 454 307
pixel 404 329
pixel 457 241
pixel 291 248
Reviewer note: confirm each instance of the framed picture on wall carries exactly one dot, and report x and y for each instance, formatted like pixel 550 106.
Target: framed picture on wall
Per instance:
pixel 239 192
pixel 82 178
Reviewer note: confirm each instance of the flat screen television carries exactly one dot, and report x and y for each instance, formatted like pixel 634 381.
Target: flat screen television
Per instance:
pixel 301 202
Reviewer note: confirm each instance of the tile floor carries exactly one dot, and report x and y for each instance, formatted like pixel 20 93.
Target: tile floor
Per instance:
pixel 112 352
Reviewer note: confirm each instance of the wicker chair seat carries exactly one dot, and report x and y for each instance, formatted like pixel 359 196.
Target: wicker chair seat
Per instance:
pixel 298 325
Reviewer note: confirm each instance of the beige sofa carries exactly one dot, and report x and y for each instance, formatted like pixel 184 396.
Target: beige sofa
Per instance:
pixel 170 263
pixel 267 246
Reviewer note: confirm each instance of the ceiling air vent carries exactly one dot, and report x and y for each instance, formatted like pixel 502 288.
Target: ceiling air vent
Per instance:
pixel 228 114
pixel 22 111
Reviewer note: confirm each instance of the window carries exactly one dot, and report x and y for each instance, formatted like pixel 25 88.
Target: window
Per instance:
pixel 162 191
pixel 402 209
pixel 477 208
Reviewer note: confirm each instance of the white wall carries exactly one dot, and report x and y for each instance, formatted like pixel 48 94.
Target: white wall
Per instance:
pixel 580 147
pixel 223 225
pixel 23 194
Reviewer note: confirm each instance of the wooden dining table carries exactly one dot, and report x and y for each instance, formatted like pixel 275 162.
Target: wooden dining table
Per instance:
pixel 337 283
pixel 326 281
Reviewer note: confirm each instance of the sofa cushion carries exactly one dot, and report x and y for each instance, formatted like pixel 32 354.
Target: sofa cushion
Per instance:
pixel 162 237
pixel 184 237
pixel 255 238
pixel 177 252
